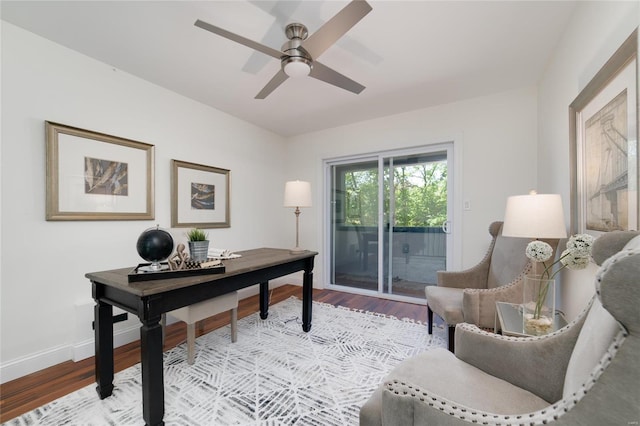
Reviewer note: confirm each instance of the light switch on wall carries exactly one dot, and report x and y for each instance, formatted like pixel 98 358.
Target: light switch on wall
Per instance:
pixel 466 205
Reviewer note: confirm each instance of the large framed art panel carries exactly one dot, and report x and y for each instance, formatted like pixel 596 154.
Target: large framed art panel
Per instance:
pixel 604 147
pixel 199 196
pixel 94 176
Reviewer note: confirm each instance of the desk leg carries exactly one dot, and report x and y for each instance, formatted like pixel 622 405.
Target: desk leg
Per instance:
pixel 264 300
pixel 307 299
pixel 103 333
pixel 152 372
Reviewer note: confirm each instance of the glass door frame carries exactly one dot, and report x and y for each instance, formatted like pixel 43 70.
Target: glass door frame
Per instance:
pixel 454 213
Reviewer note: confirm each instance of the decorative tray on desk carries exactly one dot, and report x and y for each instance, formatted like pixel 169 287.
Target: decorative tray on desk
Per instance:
pixel 210 266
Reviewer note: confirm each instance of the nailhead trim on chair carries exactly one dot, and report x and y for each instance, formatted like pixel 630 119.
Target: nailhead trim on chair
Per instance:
pixel 501 288
pixel 553 412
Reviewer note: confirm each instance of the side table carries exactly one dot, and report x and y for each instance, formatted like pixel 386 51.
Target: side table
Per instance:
pixel 509 320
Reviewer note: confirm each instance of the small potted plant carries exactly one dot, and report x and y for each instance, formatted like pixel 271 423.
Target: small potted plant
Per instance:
pixel 198 244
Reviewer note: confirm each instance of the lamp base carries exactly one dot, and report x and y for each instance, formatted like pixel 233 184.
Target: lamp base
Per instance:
pixel 297 250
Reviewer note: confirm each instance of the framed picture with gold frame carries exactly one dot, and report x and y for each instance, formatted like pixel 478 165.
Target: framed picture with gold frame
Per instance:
pixel 199 196
pixel 95 176
pixel 604 147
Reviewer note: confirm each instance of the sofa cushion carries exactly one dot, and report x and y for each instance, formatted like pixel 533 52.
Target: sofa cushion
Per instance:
pixel 446 302
pixel 598 331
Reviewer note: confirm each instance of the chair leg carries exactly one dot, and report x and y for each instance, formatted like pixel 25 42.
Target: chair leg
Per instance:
pixel 234 325
pixel 452 338
pixel 429 320
pixel 191 343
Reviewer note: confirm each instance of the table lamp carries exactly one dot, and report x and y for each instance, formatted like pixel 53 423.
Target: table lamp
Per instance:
pixel 534 216
pixel 297 194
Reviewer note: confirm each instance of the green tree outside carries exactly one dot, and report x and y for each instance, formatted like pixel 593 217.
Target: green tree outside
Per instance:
pixel 420 193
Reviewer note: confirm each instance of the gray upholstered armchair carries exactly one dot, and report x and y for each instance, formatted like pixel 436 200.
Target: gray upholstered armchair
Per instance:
pixel 471 295
pixel 587 373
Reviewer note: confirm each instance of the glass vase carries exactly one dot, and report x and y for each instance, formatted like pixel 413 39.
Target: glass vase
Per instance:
pixel 538 305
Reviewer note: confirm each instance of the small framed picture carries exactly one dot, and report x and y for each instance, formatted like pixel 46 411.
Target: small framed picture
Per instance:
pixel 199 196
pixel 604 147
pixel 94 176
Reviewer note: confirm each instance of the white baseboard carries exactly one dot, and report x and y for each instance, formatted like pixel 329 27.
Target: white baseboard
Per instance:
pixel 81 350
pixel 34 362
pixel 86 349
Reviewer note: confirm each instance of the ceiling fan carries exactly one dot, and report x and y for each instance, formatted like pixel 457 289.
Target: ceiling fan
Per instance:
pixel 297 56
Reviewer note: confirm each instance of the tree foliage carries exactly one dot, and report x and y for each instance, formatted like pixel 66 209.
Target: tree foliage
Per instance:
pixel 420 195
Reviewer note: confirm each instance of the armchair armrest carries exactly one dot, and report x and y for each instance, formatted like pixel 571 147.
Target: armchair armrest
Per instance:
pixel 479 304
pixel 537 364
pixel 404 404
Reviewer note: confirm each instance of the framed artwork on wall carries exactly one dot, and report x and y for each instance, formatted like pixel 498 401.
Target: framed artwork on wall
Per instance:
pixel 604 147
pixel 94 176
pixel 199 196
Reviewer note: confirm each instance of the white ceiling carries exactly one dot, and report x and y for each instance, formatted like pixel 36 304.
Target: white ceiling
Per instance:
pixel 408 54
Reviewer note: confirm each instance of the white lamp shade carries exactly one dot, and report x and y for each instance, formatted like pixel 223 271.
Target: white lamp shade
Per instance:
pixel 297 193
pixel 534 216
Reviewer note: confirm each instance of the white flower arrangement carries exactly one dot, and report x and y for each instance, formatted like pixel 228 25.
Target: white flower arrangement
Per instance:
pixel 575 256
pixel 539 251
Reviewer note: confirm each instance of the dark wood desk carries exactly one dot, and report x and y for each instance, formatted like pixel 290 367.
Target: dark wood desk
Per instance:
pixel 150 299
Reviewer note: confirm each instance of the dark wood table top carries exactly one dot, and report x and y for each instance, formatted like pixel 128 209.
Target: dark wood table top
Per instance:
pixel 251 260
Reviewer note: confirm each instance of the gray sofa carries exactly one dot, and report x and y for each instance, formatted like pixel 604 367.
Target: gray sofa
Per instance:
pixel 587 373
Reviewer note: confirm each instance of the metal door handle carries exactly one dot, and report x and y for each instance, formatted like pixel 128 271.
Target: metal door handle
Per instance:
pixel 446 226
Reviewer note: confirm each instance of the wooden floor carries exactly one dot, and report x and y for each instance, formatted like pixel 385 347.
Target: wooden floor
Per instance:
pixel 26 393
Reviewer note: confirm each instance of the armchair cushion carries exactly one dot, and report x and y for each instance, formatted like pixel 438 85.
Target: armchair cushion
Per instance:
pixel 597 333
pixel 447 302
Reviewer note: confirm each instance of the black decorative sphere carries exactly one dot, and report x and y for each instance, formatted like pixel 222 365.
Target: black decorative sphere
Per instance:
pixel 155 245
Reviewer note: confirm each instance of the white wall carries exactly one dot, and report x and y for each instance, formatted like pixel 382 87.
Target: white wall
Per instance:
pixel 43 263
pixel 595 32
pixel 495 137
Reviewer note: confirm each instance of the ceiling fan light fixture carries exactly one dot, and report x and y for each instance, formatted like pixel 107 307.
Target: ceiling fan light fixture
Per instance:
pixel 297 67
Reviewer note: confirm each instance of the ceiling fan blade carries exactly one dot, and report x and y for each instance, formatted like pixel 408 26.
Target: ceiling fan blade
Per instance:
pixel 257 61
pixel 239 39
pixel 336 27
pixel 326 74
pixel 273 84
pixel 281 11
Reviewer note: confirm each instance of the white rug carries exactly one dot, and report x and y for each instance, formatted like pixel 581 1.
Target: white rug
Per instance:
pixel 275 374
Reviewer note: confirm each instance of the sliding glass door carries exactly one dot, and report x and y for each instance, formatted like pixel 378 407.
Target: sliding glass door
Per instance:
pixel 388 221
pixel 354 224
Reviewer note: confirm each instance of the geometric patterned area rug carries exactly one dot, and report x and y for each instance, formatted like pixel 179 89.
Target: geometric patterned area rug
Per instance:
pixel 275 374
